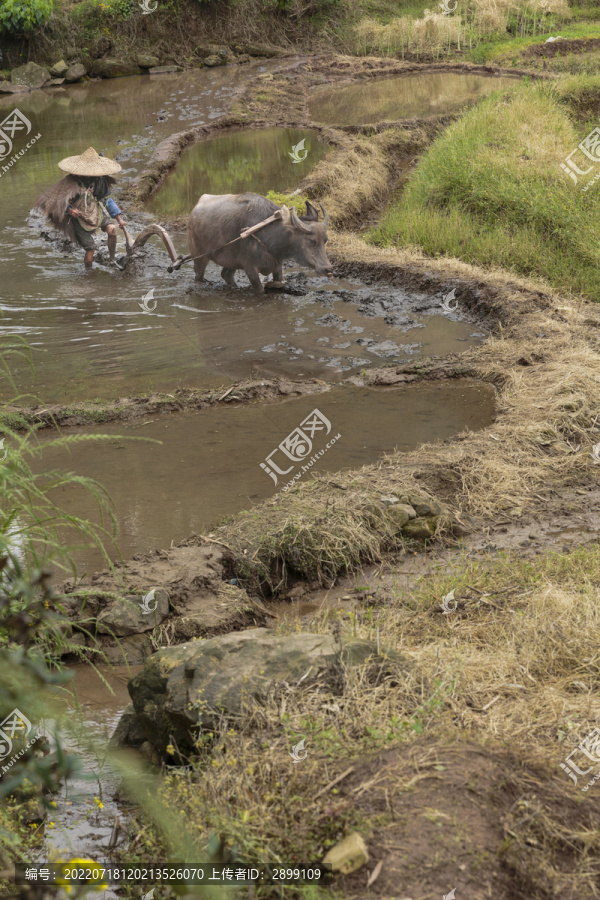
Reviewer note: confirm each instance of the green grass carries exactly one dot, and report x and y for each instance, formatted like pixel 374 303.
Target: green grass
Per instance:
pixel 490 190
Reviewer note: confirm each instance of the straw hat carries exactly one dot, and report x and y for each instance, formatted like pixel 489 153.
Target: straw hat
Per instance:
pixel 89 163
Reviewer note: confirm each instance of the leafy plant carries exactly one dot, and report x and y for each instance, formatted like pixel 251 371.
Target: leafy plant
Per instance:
pixel 23 15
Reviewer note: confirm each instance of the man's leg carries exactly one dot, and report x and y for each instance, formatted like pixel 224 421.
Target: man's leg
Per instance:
pixel 88 259
pixel 112 241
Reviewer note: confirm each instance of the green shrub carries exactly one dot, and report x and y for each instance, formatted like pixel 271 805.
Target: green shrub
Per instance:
pixel 23 15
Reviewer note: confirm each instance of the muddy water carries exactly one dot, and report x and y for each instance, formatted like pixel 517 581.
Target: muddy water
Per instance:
pixel 406 97
pixel 208 464
pixel 253 160
pixel 97 345
pixel 90 335
pixel 93 706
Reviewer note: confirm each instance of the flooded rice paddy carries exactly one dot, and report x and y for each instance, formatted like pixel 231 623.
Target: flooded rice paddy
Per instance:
pixel 401 97
pixel 258 160
pixel 208 463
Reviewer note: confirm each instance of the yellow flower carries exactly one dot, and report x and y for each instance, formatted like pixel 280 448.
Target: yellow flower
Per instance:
pixel 98 803
pixel 171 750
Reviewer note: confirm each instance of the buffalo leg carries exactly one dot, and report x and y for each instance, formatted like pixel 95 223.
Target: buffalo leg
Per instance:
pixel 255 281
pixel 228 275
pixel 200 267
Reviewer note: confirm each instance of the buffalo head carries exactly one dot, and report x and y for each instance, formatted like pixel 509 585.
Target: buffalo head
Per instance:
pixel 307 237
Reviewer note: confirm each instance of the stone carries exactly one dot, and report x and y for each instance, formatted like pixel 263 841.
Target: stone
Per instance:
pixel 114 68
pixel 126 616
pixel 55 82
pixel 58 69
pixel 164 70
pixel 215 60
pixel 145 61
pixel 127 733
pixel 31 75
pixel 349 855
pixel 133 650
pixel 389 500
pixel 419 529
pixel 400 514
pixel 425 507
pixel 7 87
pixel 149 753
pixel 185 688
pixel 74 73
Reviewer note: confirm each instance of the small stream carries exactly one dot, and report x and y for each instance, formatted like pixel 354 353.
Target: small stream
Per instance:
pixel 82 822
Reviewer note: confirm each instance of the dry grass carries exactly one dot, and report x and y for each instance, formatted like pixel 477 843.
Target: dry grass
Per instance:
pixel 357 177
pixel 469 24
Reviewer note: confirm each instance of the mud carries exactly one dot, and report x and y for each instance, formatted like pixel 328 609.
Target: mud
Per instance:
pixel 562 48
pixel 104 345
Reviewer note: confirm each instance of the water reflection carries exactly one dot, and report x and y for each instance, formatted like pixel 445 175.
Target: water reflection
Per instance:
pixel 256 160
pixel 405 97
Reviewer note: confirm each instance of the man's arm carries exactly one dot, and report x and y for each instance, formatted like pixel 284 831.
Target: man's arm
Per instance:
pixel 114 211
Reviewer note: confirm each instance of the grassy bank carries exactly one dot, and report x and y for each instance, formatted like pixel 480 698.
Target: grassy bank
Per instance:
pixel 490 190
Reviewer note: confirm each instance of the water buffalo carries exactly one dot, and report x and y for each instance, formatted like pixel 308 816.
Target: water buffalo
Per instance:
pixel 219 218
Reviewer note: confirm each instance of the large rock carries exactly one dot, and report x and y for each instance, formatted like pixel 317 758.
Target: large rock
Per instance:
pixel 6 87
pixel 114 68
pixel 145 61
pixel 58 69
pixel 215 60
pixel 75 73
pixel 31 75
pixel 126 615
pixel 184 688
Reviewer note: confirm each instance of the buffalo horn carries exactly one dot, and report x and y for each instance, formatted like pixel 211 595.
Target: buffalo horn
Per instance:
pixel 325 216
pixel 296 221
